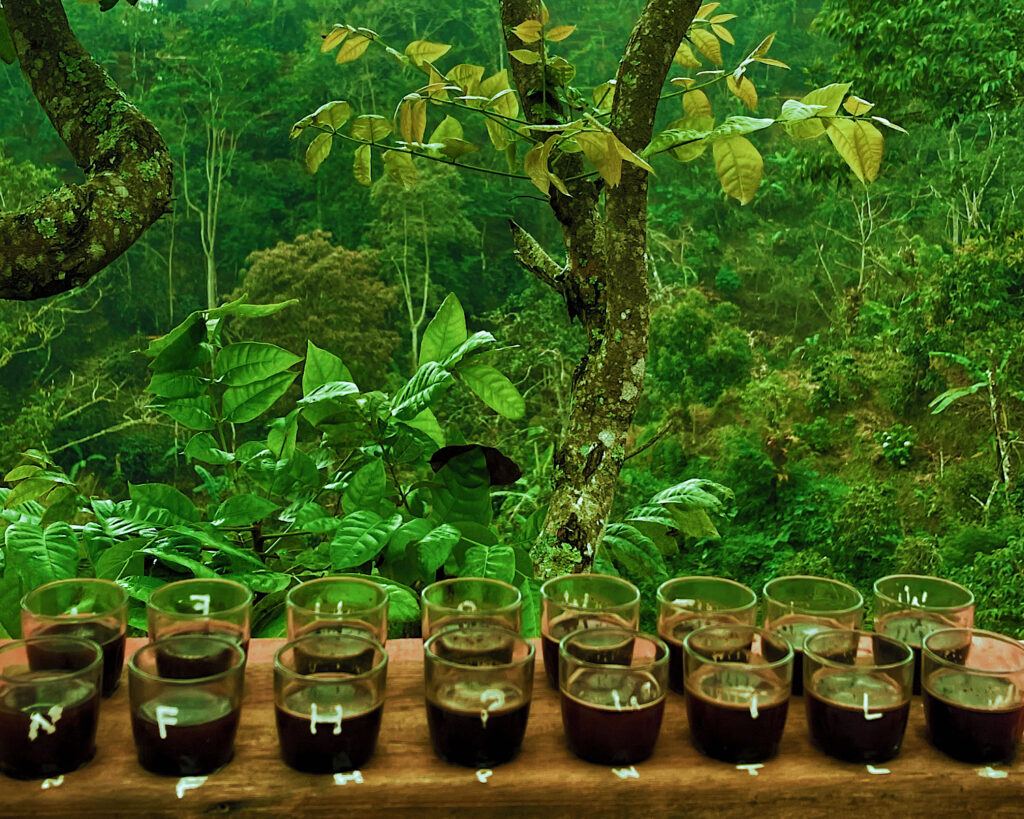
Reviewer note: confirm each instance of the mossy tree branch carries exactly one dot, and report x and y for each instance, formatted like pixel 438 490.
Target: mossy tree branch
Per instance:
pixel 74 232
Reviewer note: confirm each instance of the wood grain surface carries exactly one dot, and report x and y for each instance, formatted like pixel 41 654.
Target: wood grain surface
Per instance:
pixel 404 776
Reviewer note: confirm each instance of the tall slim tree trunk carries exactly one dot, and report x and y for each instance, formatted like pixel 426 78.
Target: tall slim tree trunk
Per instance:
pixel 70 235
pixel 604 283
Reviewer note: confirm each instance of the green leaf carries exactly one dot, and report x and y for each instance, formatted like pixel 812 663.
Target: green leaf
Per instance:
pixel 7 52
pixel 370 128
pixel 333 114
pixel 29 490
pixel 181 348
pixel 282 434
pixel 497 562
pixel 140 587
pixel 240 308
pixel 161 498
pixel 633 551
pixel 430 380
pixel 322 367
pixel 433 549
pixel 696 492
pixel 22 472
pixel 478 341
pixel 400 167
pixel 203 447
pixel 243 404
pixel 426 422
pixel 860 145
pixel 445 332
pixel 830 97
pixel 177 384
pixel 494 389
pixel 448 128
pixel 737 126
pixel 331 391
pixel 365 489
pixel 40 556
pixel 403 602
pixel 318 151
pixel 177 559
pixel 243 510
pixel 360 538
pixel 942 402
pixel 247 362
pixel 795 111
pixel 194 413
pixel 261 581
pixel 115 560
pixel 462 491
pixel 530 590
pixel 362 167
pixel 739 166
pixel 524 55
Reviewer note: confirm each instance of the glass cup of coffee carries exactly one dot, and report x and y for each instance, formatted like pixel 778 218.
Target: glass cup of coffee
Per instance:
pixel 689 603
pixel 857 690
pixel 798 606
pixel 345 604
pixel 201 605
pixel 909 607
pixel 738 684
pixel 49 705
pixel 972 683
pixel 575 601
pixel 89 608
pixel 463 600
pixel 613 685
pixel 478 703
pixel 328 721
pixel 185 725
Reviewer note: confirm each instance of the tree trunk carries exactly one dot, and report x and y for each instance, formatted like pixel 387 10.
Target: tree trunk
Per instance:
pixel 604 283
pixel 76 231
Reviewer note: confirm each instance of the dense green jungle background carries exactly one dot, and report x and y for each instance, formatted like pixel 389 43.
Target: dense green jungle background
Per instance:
pixel 836 373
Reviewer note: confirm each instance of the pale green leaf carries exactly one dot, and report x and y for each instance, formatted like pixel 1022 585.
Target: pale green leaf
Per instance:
pixel 317 151
pixel 494 389
pixel 739 166
pixel 322 367
pixel 445 332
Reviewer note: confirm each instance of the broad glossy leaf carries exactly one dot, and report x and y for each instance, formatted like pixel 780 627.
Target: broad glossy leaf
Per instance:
pixel 604 96
pixel 684 57
pixel 244 404
pixel 860 145
pixel 856 107
pixel 504 103
pixel 794 111
pixel 7 52
pixel 412 118
pixel 322 367
pixel 204 447
pixel 427 423
pixel 180 348
pixel 556 34
pixel 829 96
pixel 250 361
pixel 600 150
pixel 362 168
pixel 467 77
pixel 737 126
pixel 366 487
pixel 420 51
pixel 369 128
pixel 318 151
pixel 445 332
pixel 183 561
pixel 360 537
pixel 524 55
pixel 480 340
pixel 743 89
pixel 739 166
pixel 333 114
pixel 161 496
pixel 633 551
pixel 177 384
pixel 448 128
pixel 399 166
pixel 433 549
pixel 696 492
pixel 497 562
pixel 696 104
pixel 416 395
pixel 403 602
pixel 352 49
pixel 334 37
pixel 331 391
pixel 528 31
pixel 707 44
pixel 463 490
pixel 494 389
pixel 40 556
pixel 243 510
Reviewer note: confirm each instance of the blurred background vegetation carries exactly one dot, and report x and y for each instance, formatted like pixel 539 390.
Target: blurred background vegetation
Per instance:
pixel 799 344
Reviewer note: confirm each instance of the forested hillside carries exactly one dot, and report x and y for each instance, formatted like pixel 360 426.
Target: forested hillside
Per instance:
pixel 835 375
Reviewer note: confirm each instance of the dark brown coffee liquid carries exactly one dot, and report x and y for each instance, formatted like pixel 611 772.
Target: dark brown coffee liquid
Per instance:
pixel 727 722
pixel 328 728
pixel 330 657
pixel 201 741
pixel 611 716
pixel 477 725
pixel 857 717
pixel 796 628
pixel 192 659
pixel 675 631
pixel 109 634
pixel 621 654
pixel 47 728
pixel 972 718
pixel 912 627
pixel 484 647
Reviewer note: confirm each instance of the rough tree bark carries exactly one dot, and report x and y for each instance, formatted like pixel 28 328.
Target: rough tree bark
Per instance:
pixel 74 232
pixel 604 283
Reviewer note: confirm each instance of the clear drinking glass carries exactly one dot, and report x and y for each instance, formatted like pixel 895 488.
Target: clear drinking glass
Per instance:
pixel 464 600
pixel 201 605
pixel 478 703
pixel 973 689
pixel 911 606
pixel 346 604
pixel 575 601
pixel 799 606
pixel 738 683
pixel 613 685
pixel 185 725
pixel 49 705
pixel 689 603
pixel 857 689
pixel 89 608
pixel 328 721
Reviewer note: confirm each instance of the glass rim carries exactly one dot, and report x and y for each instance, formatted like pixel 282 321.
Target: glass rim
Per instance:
pixel 825 661
pixel 428 650
pixel 133 667
pixel 52 674
pixel 662 598
pixel 634 591
pixel 930 578
pixel 92 615
pixel 972 633
pixel 754 630
pixel 375 669
pixel 290 603
pixel 196 615
pixel 630 632
pixel 807 609
pixel 452 581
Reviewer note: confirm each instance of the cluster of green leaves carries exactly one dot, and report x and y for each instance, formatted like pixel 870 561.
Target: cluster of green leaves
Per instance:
pixel 580 126
pixel 356 491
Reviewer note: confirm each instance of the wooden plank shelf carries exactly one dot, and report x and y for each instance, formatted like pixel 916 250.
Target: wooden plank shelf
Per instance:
pixel 405 777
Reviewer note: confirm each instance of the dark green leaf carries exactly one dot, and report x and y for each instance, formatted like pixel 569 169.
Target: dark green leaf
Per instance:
pixel 203 447
pixel 463 490
pixel 244 404
pixel 430 380
pixel 360 537
pixel 433 549
pixel 322 367
pixel 39 556
pixel 497 562
pixel 243 510
pixel 250 362
pixel 365 489
pixel 494 389
pixel 194 413
pixel 160 496
pixel 446 331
